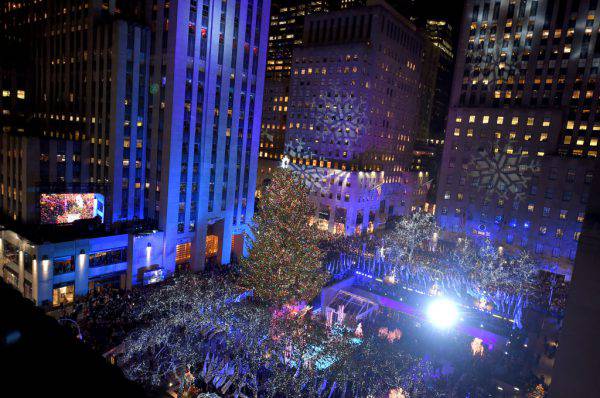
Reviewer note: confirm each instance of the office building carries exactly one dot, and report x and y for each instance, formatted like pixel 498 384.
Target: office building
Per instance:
pixel 523 125
pixel 352 114
pixel 439 33
pixel 286 32
pixel 129 139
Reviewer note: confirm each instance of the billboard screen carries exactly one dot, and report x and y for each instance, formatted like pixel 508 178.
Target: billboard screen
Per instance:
pixel 64 208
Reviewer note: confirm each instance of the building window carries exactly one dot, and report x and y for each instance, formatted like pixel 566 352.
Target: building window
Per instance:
pixel 183 252
pixel 63 265
pixel 108 257
pixel 63 295
pixel 212 245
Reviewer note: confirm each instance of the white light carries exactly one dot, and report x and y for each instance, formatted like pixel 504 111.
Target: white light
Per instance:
pixel 442 313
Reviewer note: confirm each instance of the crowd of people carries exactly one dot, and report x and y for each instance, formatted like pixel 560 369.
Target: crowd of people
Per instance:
pixel 102 317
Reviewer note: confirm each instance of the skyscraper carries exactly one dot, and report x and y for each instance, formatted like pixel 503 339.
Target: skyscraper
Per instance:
pixel 131 131
pixel 208 64
pixel 287 27
pixel 73 95
pixel 523 126
pixel 439 33
pixel 352 114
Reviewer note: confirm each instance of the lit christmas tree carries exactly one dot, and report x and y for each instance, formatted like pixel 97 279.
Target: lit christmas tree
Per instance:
pixel 285 262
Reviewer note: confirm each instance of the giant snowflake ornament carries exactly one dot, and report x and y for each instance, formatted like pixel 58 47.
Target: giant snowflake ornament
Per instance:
pixel 342 119
pixel 503 174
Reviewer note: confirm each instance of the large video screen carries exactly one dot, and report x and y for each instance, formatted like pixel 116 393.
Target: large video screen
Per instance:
pixel 64 208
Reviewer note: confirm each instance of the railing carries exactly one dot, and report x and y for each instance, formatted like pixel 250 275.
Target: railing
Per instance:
pixel 459 287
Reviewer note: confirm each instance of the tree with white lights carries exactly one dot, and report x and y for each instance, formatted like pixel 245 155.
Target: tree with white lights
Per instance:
pixel 184 326
pixel 192 329
pixel 410 233
pixel 494 270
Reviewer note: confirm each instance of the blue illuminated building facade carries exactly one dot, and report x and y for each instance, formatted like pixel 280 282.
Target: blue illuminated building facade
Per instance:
pixel 523 126
pixel 149 109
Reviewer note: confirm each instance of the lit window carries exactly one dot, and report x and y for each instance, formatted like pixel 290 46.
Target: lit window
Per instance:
pixel 5 93
pixel 486 119
pixel 515 120
pixel 567 140
pixel 500 120
pixel 20 94
pixel 472 119
pixel 543 137
pixel 530 121
pixel 456 132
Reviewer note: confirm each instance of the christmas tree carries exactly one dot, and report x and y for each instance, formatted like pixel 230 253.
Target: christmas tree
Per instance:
pixel 285 262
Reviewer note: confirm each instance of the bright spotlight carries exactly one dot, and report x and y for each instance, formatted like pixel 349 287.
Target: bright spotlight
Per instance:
pixel 442 313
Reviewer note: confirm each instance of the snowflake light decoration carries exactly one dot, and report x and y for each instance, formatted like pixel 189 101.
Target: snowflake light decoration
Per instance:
pixel 314 177
pixel 342 119
pixel 503 174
